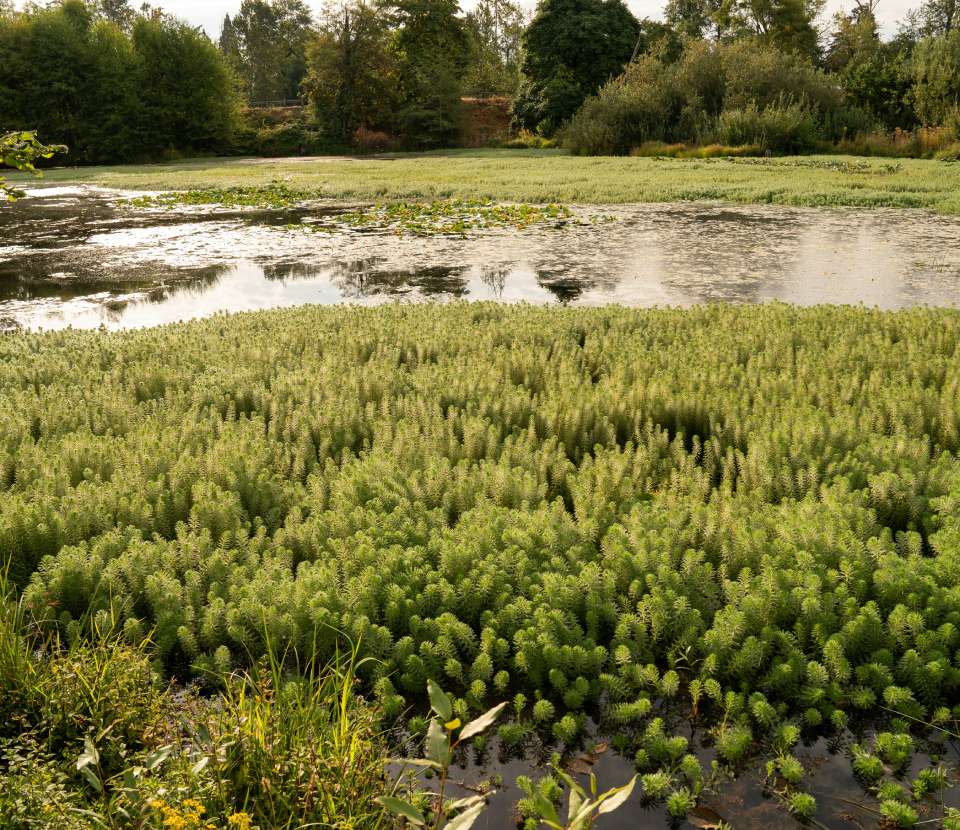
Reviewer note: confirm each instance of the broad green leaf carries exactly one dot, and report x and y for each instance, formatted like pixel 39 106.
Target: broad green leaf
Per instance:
pixel 415 762
pixel 545 807
pixel 439 701
pixel 576 800
pixel 92 778
pixel 466 819
pixel 616 798
pixel 437 747
pixel 399 807
pixel 483 723
pixel 463 803
pixel 89 757
pixel 157 757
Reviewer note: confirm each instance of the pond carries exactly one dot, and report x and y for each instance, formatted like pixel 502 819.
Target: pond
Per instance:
pixel 79 256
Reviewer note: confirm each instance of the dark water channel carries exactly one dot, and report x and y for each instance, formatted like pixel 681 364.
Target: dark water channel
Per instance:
pixel 77 256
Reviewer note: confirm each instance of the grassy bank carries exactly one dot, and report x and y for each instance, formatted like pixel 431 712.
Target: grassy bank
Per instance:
pixel 551 176
pixel 747 515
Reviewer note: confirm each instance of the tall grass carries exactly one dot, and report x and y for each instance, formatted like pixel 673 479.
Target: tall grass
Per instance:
pixel 90 738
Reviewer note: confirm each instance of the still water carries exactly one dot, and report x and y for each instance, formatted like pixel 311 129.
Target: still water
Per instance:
pixel 80 257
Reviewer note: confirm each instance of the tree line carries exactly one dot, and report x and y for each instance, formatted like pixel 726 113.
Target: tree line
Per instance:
pixel 118 84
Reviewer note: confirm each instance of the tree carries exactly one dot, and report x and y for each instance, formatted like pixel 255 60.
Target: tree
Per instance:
pixel 570 48
pixel 855 38
pixel 495 29
pixel 785 24
pixel 432 50
pixel 936 78
pixel 352 72
pixel 696 19
pixel 940 17
pixel 115 11
pixel 188 101
pixel 109 94
pixel 268 43
pixel 21 150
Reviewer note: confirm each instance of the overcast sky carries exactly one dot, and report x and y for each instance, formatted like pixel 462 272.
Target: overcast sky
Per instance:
pixel 209 13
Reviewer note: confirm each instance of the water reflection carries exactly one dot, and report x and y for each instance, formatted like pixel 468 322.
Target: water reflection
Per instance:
pixel 79 257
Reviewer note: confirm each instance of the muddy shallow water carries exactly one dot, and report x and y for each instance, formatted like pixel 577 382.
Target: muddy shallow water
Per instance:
pixel 78 256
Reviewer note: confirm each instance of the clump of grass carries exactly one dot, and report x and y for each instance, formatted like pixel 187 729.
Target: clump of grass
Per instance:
pixel 90 735
pixel 659 149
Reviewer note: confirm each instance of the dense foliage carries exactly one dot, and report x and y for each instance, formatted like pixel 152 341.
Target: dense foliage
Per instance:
pixel 92 738
pixel 21 151
pixel 570 48
pixel 748 93
pixel 752 510
pixel 112 94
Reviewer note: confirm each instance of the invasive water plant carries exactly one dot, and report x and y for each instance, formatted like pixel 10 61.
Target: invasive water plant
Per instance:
pixel 746 515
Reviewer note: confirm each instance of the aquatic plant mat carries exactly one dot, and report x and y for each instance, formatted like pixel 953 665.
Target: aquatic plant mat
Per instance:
pixel 447 217
pixel 746 515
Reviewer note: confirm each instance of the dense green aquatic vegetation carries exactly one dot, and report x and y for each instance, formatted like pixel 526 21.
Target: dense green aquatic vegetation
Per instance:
pixel 747 512
pixel 446 217
pixel 545 176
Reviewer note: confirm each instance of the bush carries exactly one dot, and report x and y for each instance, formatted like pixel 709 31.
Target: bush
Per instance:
pixel 779 128
pixel 847 122
pixel 372 141
pixel 760 95
pixel 526 140
pixel 295 138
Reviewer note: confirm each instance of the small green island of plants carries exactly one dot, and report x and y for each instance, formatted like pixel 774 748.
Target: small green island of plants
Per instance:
pixel 614 521
pixel 438 217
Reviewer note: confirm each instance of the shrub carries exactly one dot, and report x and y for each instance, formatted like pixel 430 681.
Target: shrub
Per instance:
pixel 372 141
pixel 772 98
pixel 291 139
pixel 779 128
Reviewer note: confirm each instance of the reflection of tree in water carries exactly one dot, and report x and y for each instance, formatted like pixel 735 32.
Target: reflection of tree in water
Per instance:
pixel 361 278
pixel 294 270
pixel 495 278
pixel 195 281
pixel 198 281
pixel 35 278
pixel 565 288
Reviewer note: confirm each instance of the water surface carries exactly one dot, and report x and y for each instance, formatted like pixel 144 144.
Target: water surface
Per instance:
pixel 80 257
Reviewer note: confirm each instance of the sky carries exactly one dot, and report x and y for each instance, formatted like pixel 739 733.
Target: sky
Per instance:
pixel 209 13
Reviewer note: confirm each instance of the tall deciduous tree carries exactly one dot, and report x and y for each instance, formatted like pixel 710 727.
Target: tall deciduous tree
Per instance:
pixel 82 80
pixel 936 86
pixel 495 29
pixel 270 41
pixel 570 48
pixel 940 17
pixel 352 72
pixel 432 51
